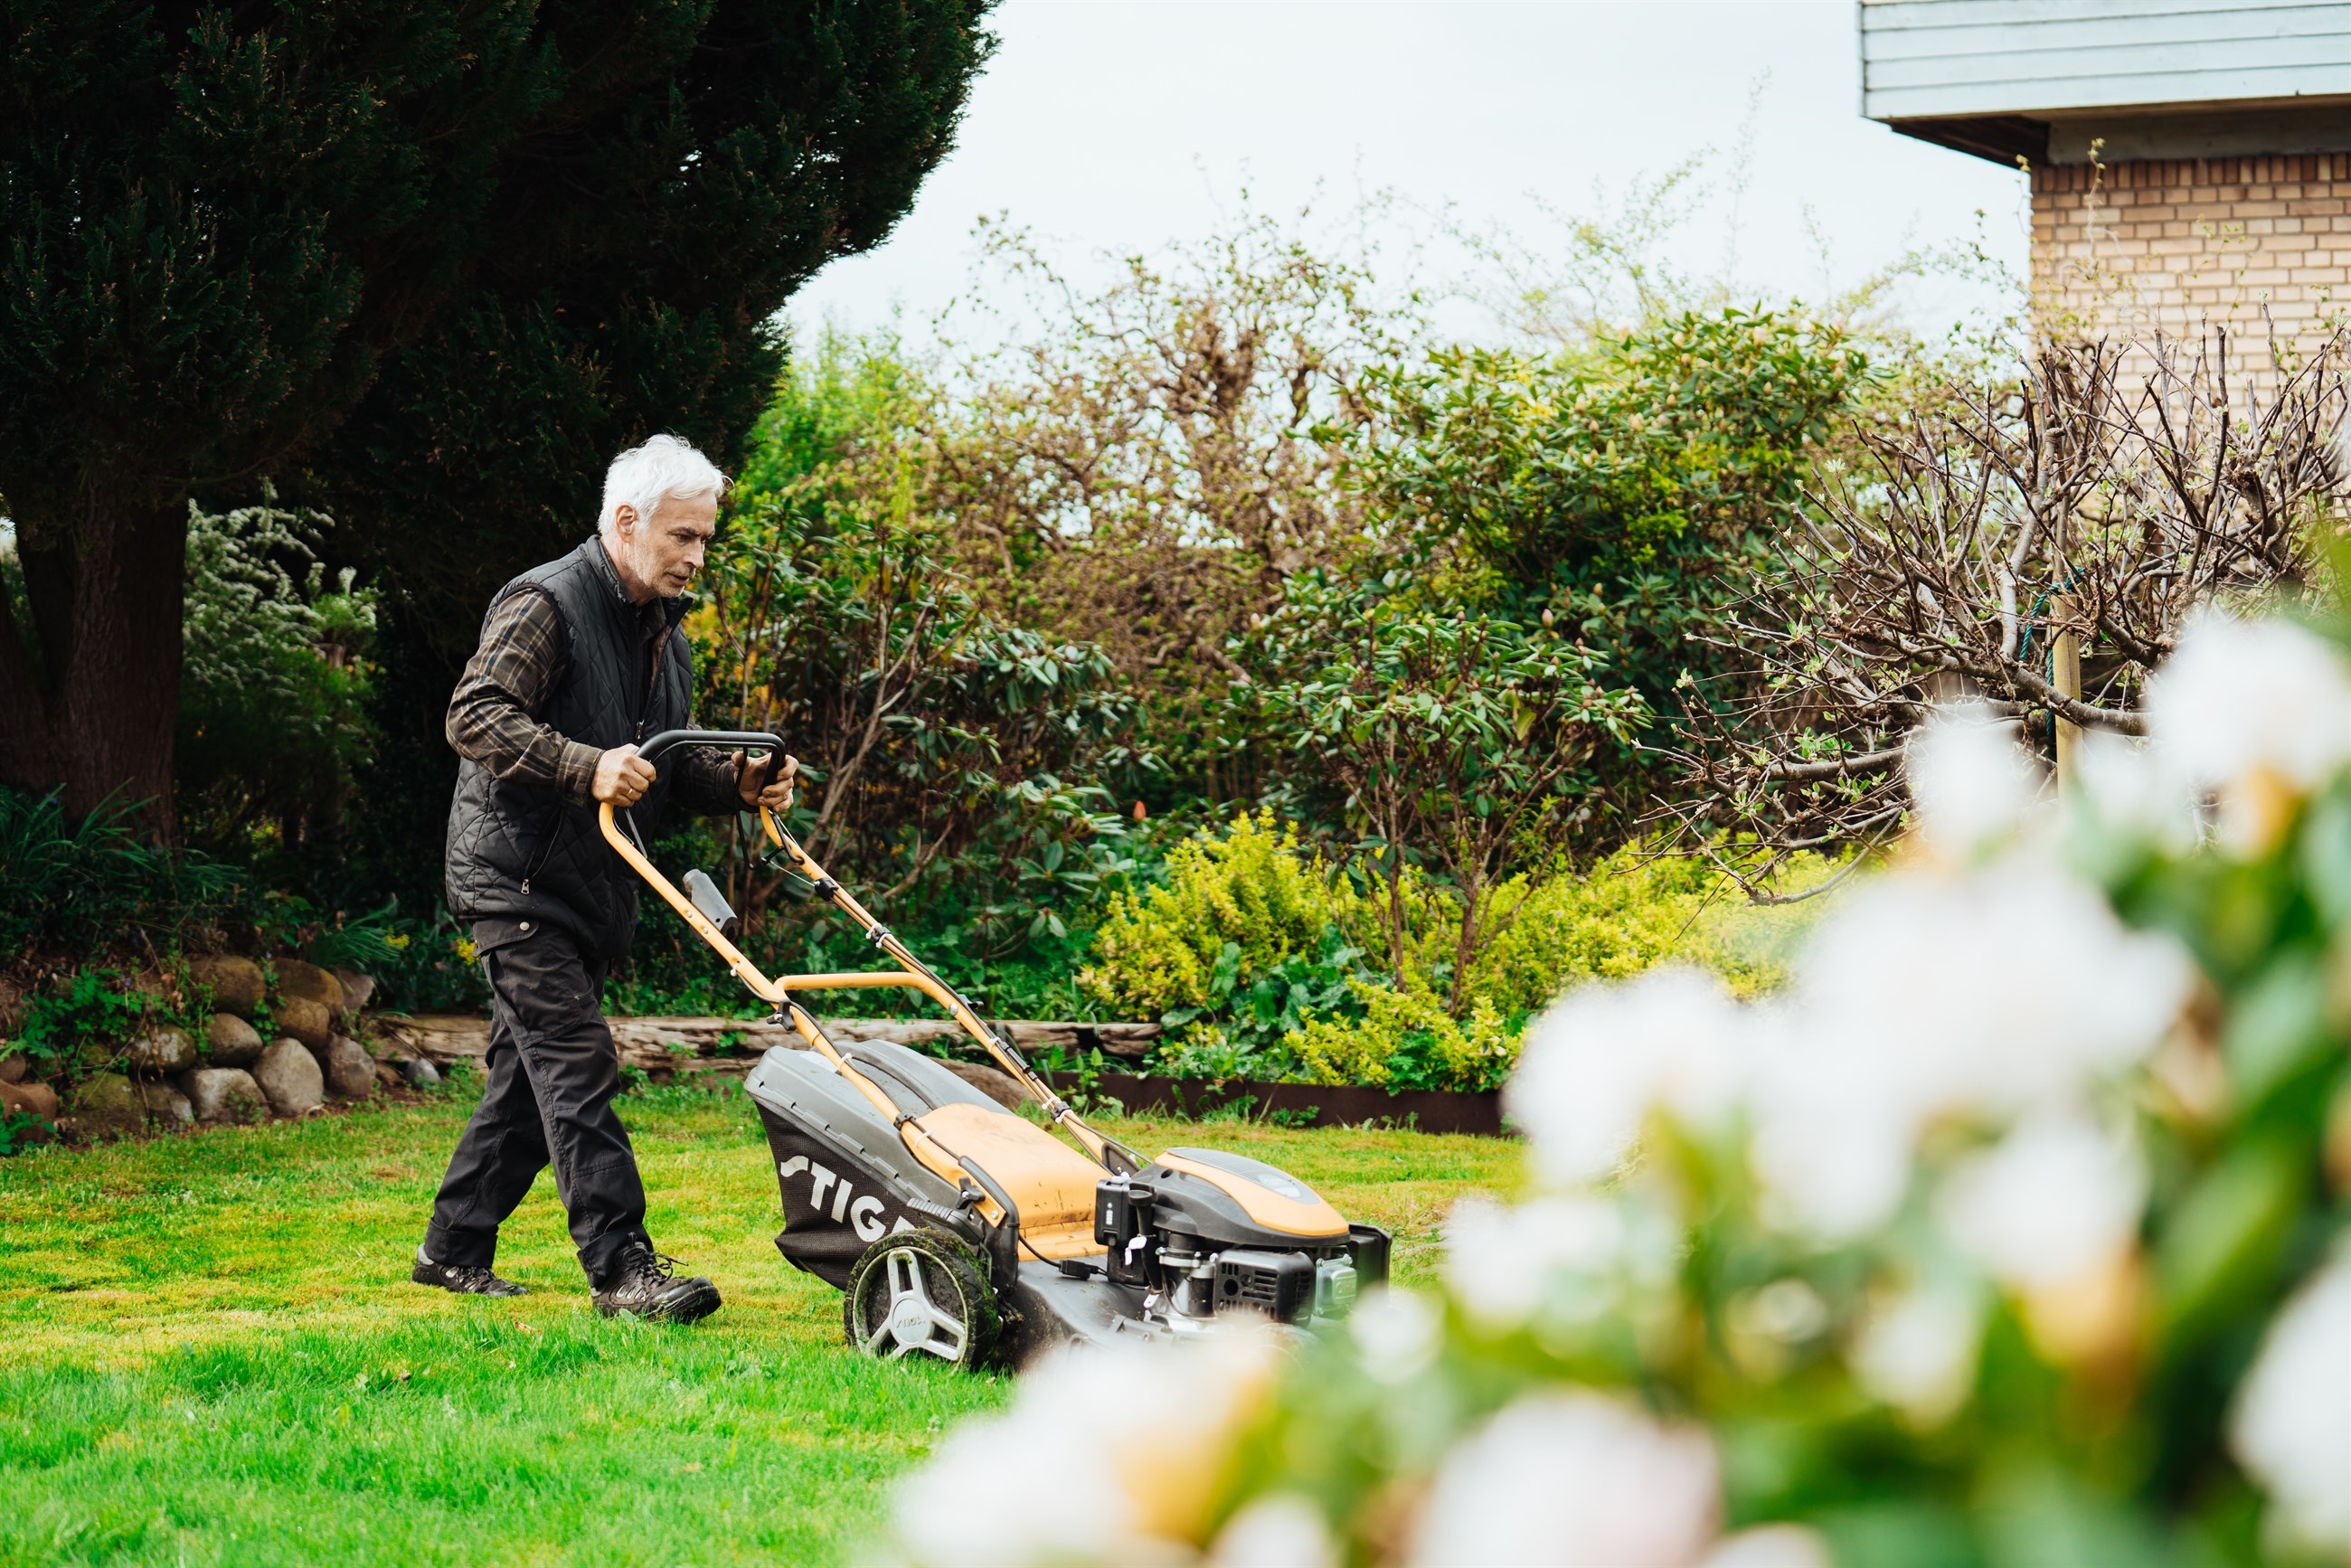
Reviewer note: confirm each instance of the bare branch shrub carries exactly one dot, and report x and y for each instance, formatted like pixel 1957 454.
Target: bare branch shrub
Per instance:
pixel 1953 541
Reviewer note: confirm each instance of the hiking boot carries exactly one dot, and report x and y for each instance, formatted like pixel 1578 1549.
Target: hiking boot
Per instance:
pixel 647 1285
pixel 463 1278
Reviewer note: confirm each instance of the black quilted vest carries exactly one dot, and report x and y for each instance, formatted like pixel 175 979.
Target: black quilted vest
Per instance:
pixel 521 851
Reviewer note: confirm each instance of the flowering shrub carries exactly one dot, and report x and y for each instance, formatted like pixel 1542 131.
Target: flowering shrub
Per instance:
pixel 2012 1231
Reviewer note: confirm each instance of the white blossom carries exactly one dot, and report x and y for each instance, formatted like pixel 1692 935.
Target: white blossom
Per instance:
pixel 1134 1438
pixel 1397 1334
pixel 1982 994
pixel 1917 1352
pixel 2292 1425
pixel 2010 986
pixel 1280 1531
pixel 1833 1127
pixel 2127 788
pixel 2055 1201
pixel 2242 696
pixel 1573 1480
pixel 1595 1064
pixel 1771 1546
pixel 1971 782
pixel 1502 1263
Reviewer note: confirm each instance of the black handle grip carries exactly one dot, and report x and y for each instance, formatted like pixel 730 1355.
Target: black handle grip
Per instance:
pixel 746 739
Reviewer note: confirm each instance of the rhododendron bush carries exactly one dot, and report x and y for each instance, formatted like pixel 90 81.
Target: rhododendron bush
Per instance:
pixel 2012 1231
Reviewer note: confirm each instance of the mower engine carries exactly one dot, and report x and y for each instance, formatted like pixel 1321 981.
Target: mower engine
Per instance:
pixel 1202 1232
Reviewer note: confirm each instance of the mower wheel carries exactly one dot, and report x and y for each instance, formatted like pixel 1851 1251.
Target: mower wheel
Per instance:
pixel 920 1292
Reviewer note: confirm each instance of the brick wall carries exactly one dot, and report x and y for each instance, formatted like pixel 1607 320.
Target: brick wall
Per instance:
pixel 2177 246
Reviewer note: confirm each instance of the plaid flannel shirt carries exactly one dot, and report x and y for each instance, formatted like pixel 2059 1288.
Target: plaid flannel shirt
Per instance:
pixel 508 680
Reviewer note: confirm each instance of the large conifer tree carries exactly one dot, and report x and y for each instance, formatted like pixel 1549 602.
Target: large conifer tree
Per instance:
pixel 431 260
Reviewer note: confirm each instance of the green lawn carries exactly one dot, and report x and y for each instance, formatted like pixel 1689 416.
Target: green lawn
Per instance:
pixel 210 1353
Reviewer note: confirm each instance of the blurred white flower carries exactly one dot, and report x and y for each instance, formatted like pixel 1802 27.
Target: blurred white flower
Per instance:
pixel 1987 994
pixel 2292 1425
pixel 2244 694
pixel 1771 1546
pixel 2055 1201
pixel 1834 1126
pixel 1573 1480
pixel 2255 711
pixel 2128 788
pixel 1594 1063
pixel 2012 986
pixel 1276 1531
pixel 1134 1489
pixel 1788 1310
pixel 1396 1333
pixel 1917 1352
pixel 1562 1253
pixel 1971 782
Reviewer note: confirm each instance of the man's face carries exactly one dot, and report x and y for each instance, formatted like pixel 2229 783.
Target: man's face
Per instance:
pixel 661 554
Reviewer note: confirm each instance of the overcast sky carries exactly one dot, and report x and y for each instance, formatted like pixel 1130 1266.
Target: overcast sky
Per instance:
pixel 1116 125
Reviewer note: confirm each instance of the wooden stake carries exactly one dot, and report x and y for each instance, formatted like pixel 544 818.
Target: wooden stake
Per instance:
pixel 2065 675
pixel 2064 661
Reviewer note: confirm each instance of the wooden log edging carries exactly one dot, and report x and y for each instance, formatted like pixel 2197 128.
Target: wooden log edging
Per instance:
pixel 670 1046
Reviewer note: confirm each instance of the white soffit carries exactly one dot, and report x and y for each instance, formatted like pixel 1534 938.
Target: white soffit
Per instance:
pixel 1930 58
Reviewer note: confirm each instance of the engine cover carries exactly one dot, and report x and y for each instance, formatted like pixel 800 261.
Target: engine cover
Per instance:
pixel 1278 1284
pixel 1231 1200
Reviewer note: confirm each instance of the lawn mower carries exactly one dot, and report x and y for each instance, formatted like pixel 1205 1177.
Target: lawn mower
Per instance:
pixel 961 1231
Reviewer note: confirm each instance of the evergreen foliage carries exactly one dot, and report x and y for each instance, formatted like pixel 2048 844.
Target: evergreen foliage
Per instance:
pixel 455 254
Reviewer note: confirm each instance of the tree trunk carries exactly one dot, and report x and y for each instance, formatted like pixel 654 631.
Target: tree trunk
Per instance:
pixel 92 709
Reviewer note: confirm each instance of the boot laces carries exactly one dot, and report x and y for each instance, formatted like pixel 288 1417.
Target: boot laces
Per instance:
pixel 653 1268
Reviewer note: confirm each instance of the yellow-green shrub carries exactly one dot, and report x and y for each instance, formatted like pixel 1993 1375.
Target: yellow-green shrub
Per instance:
pixel 1251 900
pixel 1627 914
pixel 1407 1039
pixel 1157 950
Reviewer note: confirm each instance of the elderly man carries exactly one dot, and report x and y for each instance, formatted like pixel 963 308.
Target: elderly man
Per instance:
pixel 579 661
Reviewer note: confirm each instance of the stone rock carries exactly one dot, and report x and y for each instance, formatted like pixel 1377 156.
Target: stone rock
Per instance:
pixel 356 989
pixel 289 1076
pixel 993 1081
pixel 167 1104
pixel 161 1051
pixel 15 1069
pixel 311 984
pixel 350 1070
pixel 235 983
pixel 419 1073
pixel 307 1021
pixel 227 1093
pixel 230 1042
pixel 28 1095
pixel 109 1105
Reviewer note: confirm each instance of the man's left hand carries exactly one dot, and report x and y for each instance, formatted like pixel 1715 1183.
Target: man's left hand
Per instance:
pixel 776 793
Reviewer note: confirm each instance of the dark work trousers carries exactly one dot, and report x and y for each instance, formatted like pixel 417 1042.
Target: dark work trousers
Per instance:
pixel 552 1074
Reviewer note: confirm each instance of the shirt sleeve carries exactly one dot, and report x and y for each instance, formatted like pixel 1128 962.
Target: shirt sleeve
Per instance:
pixel 492 713
pixel 706 782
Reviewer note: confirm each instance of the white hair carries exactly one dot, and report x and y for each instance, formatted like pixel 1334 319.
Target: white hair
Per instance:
pixel 645 477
